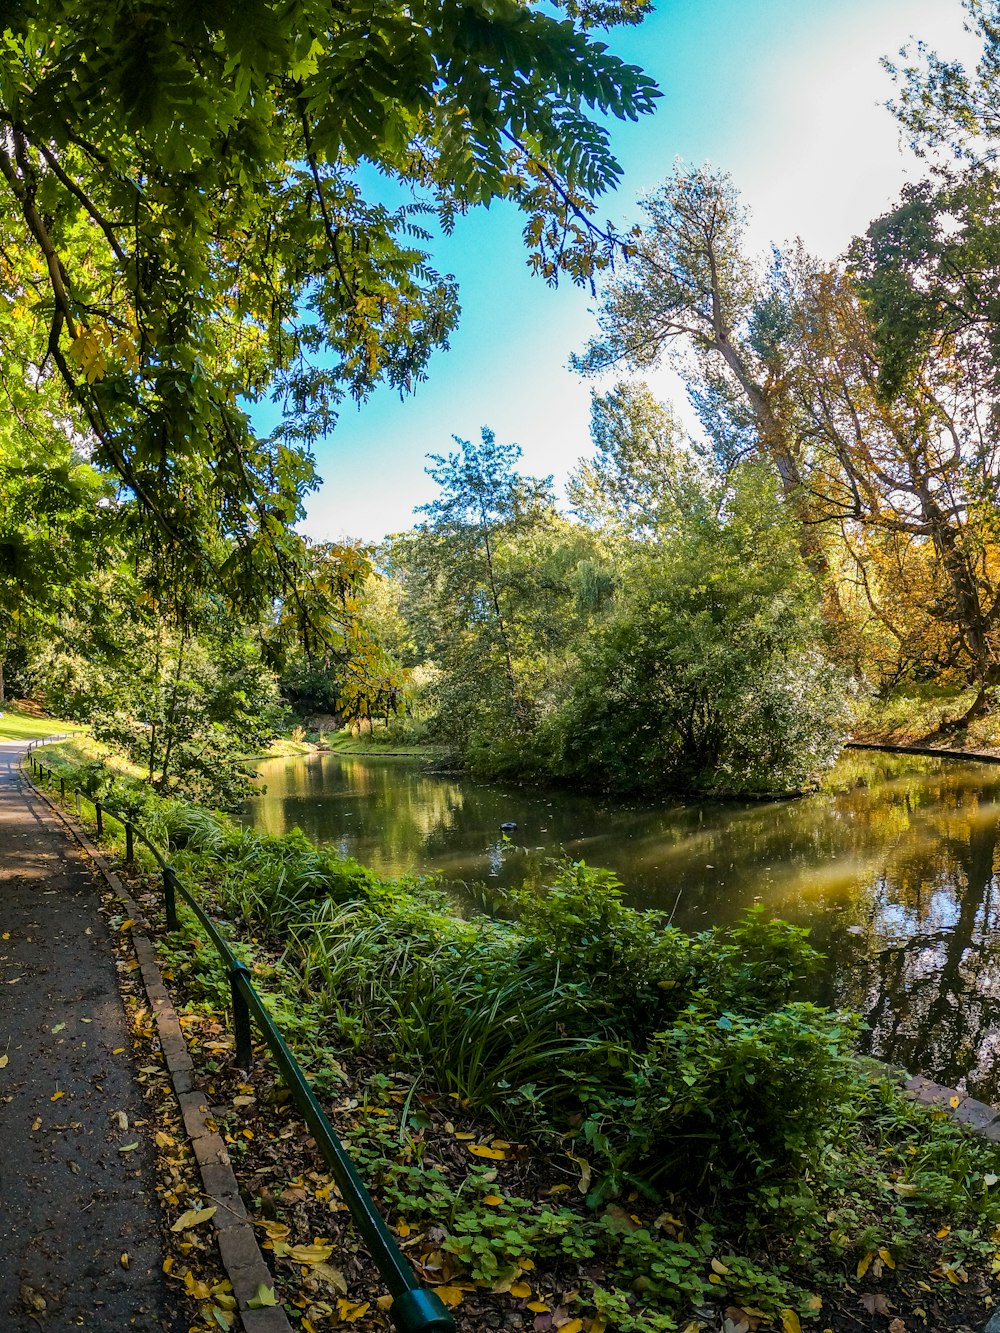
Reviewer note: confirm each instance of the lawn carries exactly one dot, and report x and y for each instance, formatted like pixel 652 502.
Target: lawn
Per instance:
pixel 17 725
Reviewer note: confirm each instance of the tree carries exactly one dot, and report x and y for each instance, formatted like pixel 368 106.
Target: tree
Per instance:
pixel 707 673
pixel 185 229
pixel 691 287
pixel 945 106
pixel 468 606
pixel 641 475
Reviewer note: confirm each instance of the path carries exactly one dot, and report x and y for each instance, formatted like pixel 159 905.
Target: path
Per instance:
pixel 71 1201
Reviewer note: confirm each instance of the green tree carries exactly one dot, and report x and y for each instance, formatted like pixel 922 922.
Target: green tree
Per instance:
pixel 707 673
pixel 185 231
pixel 642 475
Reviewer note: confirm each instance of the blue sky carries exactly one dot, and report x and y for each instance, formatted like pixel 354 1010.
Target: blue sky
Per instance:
pixel 784 94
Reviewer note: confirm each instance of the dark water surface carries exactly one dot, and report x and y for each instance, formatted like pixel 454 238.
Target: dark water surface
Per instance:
pixel 894 865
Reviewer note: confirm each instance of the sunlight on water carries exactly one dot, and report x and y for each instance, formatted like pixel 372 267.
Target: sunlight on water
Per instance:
pixel 893 864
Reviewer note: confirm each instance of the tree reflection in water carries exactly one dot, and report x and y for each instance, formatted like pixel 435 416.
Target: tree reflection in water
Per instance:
pixel 893 866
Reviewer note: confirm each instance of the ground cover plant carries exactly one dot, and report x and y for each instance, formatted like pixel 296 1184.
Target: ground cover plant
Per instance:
pixel 576 1118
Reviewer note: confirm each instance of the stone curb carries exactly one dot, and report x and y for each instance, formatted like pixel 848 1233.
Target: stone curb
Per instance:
pixel 241 1255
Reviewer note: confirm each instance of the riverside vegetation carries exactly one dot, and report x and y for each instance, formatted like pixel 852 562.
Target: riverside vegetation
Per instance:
pixel 727 1156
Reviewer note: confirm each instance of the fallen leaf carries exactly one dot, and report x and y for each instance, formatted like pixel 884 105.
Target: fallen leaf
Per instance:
pixel 333 1276
pixel 310 1254
pixel 265 1297
pixel 874 1302
pixel 897 1326
pixel 790 1322
pixel 520 1290
pixel 3 1061
pixel 124 1259
pixel 349 1312
pixel 56 1095
pixel 192 1218
pixel 451 1296
pixel 481 1150
pixel 128 1147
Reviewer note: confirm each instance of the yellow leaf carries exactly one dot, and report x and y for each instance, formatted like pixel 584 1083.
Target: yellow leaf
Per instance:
pixel 887 1259
pixel 790 1322
pixel 451 1296
pixel 201 1291
pixel 492 1199
pixel 56 1095
pixel 168 1263
pixel 481 1150
pixel 527 1264
pixel 719 1267
pixel 348 1311
pixel 310 1254
pixel 574 1326
pixel 953 1102
pixel 865 1263
pixel 3 1061
pixel 520 1290
pixel 583 1185
pixel 265 1297
pixel 402 1228
pixel 538 1307
pixel 904 1190
pixel 714 1278
pixel 192 1218
pixel 124 1259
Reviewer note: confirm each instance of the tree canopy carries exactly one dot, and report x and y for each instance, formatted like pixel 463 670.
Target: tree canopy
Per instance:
pixel 186 230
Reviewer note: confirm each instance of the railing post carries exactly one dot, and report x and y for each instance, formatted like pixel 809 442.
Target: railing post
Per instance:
pixel 169 898
pixel 99 816
pixel 62 789
pixel 241 1018
pixel 129 847
pixel 77 795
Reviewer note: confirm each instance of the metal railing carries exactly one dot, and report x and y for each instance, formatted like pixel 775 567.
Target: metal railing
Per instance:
pixel 415 1309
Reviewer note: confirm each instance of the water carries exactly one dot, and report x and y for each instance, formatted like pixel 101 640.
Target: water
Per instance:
pixel 893 866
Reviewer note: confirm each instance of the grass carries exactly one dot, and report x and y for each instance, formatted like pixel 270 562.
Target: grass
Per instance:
pixel 19 724
pixel 915 714
pixel 349 742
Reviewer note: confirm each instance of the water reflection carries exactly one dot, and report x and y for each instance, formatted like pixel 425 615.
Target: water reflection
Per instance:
pixel 893 865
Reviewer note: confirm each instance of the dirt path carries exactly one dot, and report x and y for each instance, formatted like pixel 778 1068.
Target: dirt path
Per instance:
pixel 76 1187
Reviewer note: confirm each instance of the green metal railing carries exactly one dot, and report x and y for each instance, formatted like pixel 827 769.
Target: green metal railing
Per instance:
pixel 415 1309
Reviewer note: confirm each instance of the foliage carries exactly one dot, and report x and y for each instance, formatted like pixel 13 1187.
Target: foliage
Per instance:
pixel 768 1164
pixel 186 231
pixel 183 707
pixel 708 673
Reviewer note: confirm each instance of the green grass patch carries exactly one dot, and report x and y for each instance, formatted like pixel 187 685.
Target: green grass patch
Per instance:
pixel 17 724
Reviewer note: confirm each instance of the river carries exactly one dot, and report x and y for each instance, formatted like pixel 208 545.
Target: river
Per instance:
pixel 893 865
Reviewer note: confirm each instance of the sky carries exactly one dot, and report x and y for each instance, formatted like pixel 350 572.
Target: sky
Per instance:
pixel 786 95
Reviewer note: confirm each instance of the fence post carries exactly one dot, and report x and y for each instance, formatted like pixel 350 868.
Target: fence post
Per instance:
pixel 241 1017
pixel 99 816
pixel 129 848
pixel 169 898
pixel 77 794
pixel 62 789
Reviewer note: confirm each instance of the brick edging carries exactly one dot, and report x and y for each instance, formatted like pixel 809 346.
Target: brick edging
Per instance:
pixel 241 1255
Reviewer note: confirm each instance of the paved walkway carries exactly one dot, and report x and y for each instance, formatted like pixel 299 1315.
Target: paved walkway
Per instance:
pixel 72 1202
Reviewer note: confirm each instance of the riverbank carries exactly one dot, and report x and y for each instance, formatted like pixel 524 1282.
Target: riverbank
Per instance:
pixel 515 1225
